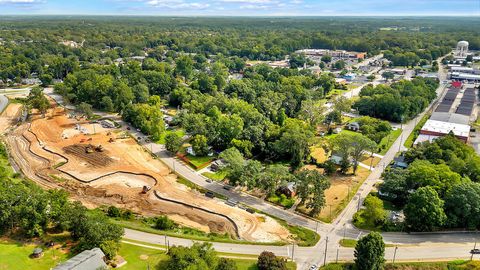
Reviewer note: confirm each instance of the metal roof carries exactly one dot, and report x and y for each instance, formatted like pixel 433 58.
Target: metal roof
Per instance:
pixel 87 260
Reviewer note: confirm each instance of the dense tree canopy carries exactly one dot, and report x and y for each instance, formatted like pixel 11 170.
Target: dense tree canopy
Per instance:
pixel 398 102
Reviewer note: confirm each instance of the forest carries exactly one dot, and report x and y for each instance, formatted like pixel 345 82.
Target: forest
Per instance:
pixel 208 71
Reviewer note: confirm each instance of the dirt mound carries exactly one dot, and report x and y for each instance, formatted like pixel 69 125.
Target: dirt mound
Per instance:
pixel 94 158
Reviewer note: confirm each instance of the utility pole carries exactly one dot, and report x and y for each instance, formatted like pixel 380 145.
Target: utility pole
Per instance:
pixel 326 248
pixel 344 230
pixel 293 250
pixel 358 204
pixel 316 227
pixel 474 247
pixel 394 255
pixel 336 260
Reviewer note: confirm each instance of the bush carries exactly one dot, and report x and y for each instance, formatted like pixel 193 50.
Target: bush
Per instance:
pixel 164 223
pixel 329 167
pixel 113 211
pixel 127 214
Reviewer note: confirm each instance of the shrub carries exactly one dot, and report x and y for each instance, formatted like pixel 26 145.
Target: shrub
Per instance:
pixel 164 223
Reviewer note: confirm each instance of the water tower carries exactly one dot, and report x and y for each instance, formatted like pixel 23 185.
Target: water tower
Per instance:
pixel 462 48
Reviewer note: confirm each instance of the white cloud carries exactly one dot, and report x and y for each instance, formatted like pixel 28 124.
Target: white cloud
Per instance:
pixel 177 4
pixel 249 1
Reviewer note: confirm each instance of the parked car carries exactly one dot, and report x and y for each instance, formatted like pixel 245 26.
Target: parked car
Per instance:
pixel 210 194
pixel 250 210
pixel 227 187
pixel 314 267
pixel 475 251
pixel 208 180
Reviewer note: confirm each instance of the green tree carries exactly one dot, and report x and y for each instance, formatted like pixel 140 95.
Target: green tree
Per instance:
pixel 268 261
pixel 462 206
pixel 359 145
pixel 226 264
pixel 369 252
pixel 86 109
pixel 374 211
pixel 164 223
pixel 173 142
pixel 184 66
pixel 197 257
pixel 200 145
pixel 310 187
pixel 387 75
pixel 424 210
pixel 37 100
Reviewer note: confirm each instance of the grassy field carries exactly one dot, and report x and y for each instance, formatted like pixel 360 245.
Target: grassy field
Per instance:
pixel 387 141
pixel 351 243
pixel 453 265
pixel 198 162
pixel 139 258
pixel 16 256
pixel 411 138
pixel 216 176
pixel 180 132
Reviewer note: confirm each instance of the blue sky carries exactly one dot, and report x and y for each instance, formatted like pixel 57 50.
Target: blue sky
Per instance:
pixel 243 7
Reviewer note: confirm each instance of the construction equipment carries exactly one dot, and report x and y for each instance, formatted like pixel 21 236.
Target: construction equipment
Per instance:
pixel 145 189
pixel 99 148
pixel 111 140
pixel 89 149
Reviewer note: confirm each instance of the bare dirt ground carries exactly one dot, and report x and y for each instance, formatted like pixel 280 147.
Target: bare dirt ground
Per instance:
pixel 9 116
pixel 51 151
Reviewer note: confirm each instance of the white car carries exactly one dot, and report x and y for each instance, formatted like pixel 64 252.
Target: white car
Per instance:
pixel 314 267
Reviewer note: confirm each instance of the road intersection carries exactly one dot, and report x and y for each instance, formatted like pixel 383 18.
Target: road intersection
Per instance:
pixel 427 246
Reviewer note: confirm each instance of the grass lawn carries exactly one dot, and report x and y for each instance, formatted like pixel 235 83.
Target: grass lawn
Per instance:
pixel 243 264
pixel 344 131
pixel 388 140
pixel 318 153
pixel 216 176
pixel 335 92
pixel 411 138
pixel 367 160
pixel 351 243
pixel 453 265
pixel 180 132
pixel 199 161
pixel 139 258
pixel 16 256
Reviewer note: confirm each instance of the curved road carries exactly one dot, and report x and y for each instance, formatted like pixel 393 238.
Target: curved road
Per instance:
pixel 428 246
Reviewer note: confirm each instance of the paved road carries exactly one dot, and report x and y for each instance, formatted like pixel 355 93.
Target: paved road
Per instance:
pixel 3 102
pixel 333 232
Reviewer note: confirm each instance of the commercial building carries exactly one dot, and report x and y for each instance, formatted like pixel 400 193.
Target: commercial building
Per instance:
pixel 464 77
pixel 333 53
pixel 433 129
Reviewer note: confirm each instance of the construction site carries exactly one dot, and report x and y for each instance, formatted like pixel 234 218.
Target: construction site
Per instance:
pixel 101 165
